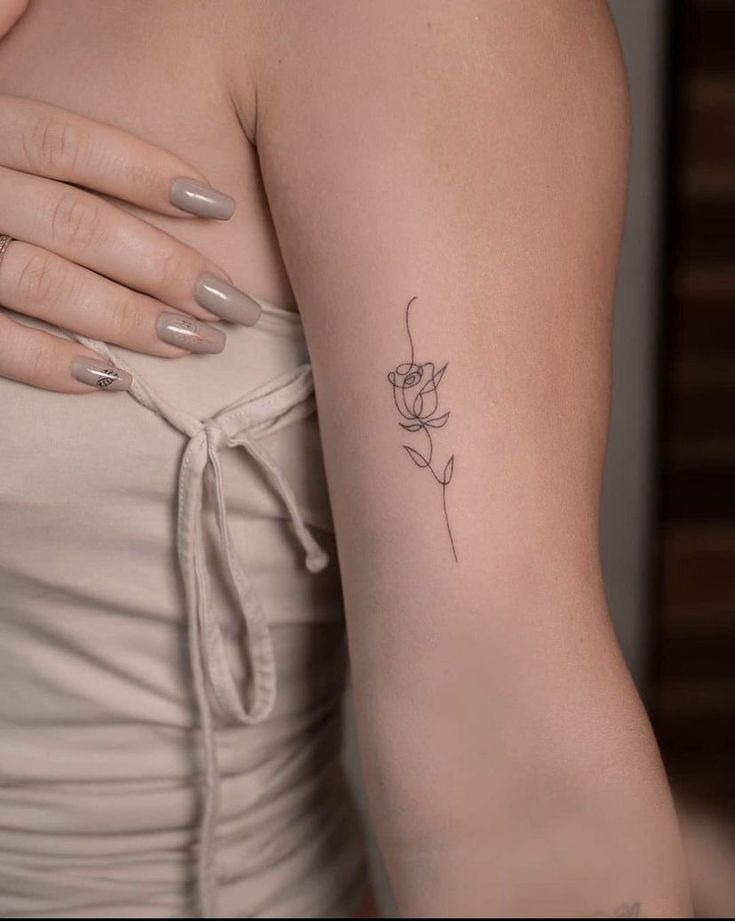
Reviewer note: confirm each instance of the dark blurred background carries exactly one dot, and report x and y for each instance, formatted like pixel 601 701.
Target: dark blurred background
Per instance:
pixel 691 659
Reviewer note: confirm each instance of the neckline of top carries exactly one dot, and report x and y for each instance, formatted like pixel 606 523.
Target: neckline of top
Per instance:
pixel 279 313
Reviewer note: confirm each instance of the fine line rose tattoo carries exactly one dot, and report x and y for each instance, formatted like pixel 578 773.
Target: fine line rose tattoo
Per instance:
pixel 417 400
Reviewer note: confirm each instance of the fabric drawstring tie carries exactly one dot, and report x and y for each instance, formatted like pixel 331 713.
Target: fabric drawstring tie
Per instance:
pixel 206 646
pixel 282 401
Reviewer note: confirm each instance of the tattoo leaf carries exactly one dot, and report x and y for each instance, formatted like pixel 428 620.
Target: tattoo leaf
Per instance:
pixel 448 470
pixel 438 375
pixel 417 458
pixel 438 421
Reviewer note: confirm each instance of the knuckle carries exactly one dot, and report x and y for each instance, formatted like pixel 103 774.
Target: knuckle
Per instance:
pixel 127 321
pixel 130 325
pixel 7 343
pixel 36 360
pixel 171 267
pixel 26 355
pixel 39 279
pixel 53 145
pixel 144 176
pixel 75 221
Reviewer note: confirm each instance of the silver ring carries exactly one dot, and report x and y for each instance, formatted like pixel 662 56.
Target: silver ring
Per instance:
pixel 4 240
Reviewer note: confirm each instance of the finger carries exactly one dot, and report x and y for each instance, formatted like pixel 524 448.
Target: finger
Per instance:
pixel 31 356
pixel 45 140
pixel 90 231
pixel 41 284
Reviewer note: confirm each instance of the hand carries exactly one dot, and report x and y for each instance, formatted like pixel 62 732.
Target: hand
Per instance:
pixel 77 261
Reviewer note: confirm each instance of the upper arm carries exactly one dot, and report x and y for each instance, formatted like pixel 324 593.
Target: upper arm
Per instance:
pixel 472 156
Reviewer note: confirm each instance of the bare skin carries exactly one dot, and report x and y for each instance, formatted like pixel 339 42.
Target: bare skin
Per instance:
pixel 81 263
pixel 473 155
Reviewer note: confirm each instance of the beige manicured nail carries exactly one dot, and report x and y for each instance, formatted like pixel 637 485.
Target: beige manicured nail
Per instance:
pixel 100 374
pixel 187 333
pixel 225 300
pixel 200 199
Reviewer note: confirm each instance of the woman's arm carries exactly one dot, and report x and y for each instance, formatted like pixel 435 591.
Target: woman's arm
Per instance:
pixel 471 156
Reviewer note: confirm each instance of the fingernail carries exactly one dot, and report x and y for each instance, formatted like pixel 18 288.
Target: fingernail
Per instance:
pixel 198 198
pixel 187 333
pixel 100 374
pixel 225 300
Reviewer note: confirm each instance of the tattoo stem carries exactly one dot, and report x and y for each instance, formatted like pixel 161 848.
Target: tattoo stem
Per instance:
pixel 446 518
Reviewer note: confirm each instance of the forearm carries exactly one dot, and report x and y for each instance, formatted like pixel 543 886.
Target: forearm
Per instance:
pixel 513 788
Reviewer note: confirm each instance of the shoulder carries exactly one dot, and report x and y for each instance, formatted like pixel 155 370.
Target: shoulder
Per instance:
pixel 469 84
pixel 370 47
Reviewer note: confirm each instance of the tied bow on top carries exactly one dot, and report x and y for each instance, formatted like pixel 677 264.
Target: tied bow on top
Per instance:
pixel 266 411
pixel 282 401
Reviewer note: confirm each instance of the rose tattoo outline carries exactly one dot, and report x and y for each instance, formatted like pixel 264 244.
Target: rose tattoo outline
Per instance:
pixel 415 393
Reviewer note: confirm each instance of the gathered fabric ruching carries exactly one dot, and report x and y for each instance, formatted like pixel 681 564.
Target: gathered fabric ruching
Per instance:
pixel 278 403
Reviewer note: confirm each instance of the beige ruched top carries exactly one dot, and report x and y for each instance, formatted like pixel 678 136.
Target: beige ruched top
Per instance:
pixel 172 650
